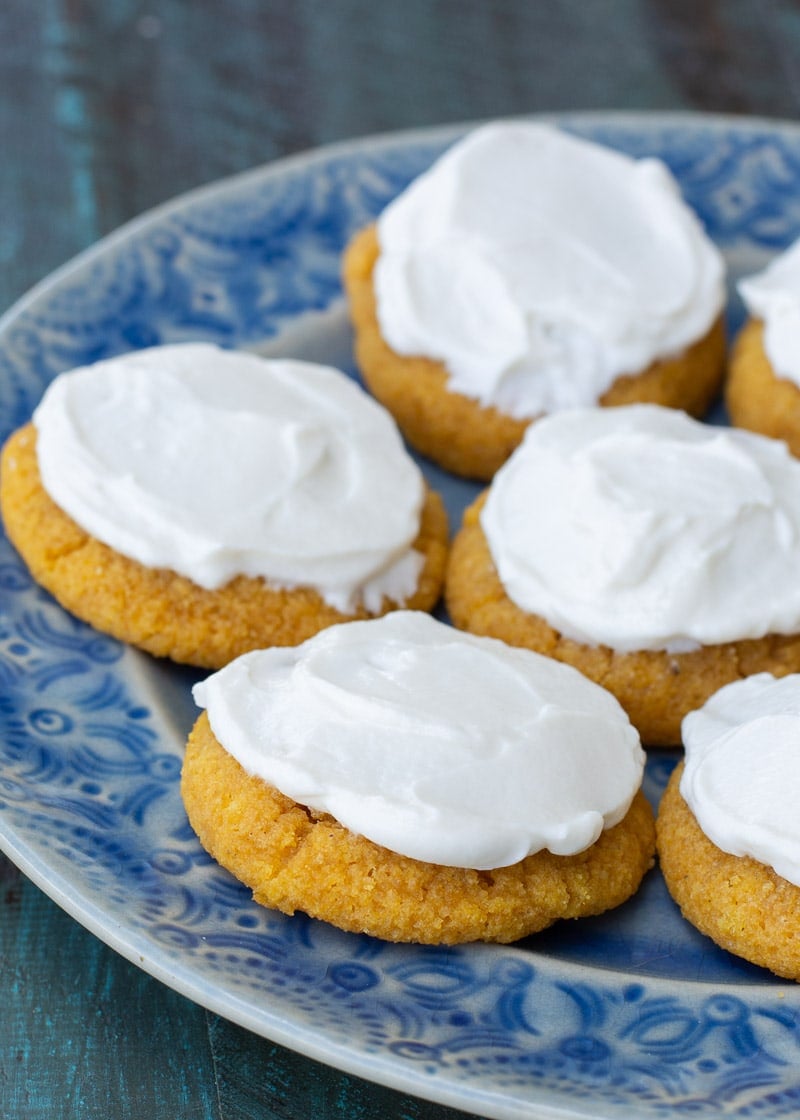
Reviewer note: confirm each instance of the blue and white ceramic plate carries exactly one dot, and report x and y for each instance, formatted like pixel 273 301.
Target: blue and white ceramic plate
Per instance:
pixel 630 1015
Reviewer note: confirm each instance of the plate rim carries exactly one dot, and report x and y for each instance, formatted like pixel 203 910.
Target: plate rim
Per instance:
pixel 388 139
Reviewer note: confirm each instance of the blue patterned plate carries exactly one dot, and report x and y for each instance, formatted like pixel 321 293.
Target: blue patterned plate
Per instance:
pixel 632 1014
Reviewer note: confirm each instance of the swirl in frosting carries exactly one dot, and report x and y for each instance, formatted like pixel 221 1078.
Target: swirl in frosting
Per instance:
pixel 215 464
pixel 436 744
pixel 539 267
pixel 639 528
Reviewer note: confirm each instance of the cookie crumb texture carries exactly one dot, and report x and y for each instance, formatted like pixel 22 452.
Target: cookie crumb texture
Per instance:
pixel 657 689
pixel 741 904
pixel 471 439
pixel 294 860
pixel 158 610
pixel 756 398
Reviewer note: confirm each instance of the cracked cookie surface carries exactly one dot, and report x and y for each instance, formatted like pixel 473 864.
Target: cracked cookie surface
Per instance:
pixel 294 860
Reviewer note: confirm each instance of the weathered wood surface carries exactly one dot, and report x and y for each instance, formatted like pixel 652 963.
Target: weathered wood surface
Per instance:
pixel 107 108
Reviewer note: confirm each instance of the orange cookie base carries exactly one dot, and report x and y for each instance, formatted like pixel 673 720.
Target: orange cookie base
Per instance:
pixel 294 860
pixel 741 904
pixel 655 688
pixel 460 434
pixel 158 610
pixel 756 398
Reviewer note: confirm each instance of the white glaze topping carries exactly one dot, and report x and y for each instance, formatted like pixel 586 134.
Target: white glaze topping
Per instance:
pixel 742 773
pixel 539 267
pixel 216 463
pixel 433 743
pixel 774 296
pixel 640 528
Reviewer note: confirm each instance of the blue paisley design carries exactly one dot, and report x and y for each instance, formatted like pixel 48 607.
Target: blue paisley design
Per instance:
pixel 631 1014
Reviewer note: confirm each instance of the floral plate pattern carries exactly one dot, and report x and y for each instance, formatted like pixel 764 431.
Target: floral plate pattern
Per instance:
pixel 632 1014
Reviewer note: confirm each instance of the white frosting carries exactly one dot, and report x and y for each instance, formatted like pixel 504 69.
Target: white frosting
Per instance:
pixel 436 744
pixel 774 296
pixel 216 464
pixel 640 528
pixel 742 773
pixel 539 267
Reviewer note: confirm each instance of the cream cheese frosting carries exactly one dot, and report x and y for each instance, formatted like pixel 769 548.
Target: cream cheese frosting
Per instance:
pixel 639 528
pixel 539 267
pixel 742 771
pixel 436 744
pixel 774 296
pixel 216 463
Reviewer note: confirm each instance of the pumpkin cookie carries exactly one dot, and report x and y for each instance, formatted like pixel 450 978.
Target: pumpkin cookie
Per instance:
pixel 206 613
pixel 388 752
pixel 645 571
pixel 474 312
pixel 762 390
pixel 755 396
pixel 731 861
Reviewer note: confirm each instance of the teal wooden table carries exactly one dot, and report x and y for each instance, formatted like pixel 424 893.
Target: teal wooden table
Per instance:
pixel 110 108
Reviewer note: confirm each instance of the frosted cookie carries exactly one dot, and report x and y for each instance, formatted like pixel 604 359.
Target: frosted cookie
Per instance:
pixel 526 272
pixel 198 502
pixel 656 554
pixel 398 778
pixel 728 828
pixel 762 391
